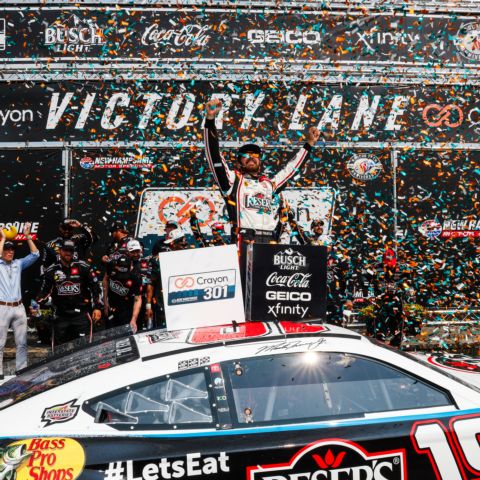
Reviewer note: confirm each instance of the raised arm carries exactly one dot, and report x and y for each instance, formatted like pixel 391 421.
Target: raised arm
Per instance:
pixel 281 179
pixel 222 174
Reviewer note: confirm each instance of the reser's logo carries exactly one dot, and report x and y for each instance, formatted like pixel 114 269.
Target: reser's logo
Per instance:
pixel 289 37
pixel 69 288
pixel 334 459
pixel 259 202
pixel 118 288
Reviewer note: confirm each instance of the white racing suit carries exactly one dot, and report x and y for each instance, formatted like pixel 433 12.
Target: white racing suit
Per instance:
pixel 250 200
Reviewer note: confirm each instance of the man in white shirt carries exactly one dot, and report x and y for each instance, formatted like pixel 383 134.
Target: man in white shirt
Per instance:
pixel 12 311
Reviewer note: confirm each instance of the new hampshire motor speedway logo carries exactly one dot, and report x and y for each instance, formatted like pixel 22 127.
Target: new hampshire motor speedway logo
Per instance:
pixel 201 287
pixel 364 167
pixel 334 459
pixel 451 228
pixel 89 163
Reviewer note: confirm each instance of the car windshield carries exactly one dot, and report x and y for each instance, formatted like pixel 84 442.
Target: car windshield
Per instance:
pixel 317 385
pixel 65 369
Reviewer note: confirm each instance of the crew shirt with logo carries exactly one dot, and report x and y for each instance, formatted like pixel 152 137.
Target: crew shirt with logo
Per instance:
pixel 123 287
pixel 72 288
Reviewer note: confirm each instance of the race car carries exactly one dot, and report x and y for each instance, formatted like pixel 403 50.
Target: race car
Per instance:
pixel 255 401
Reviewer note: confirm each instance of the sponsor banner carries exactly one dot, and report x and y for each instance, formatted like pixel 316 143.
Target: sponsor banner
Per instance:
pixel 201 287
pixel 43 458
pixel 286 282
pixel 227 35
pixel 409 447
pixel 91 162
pixel 172 113
pixel 160 205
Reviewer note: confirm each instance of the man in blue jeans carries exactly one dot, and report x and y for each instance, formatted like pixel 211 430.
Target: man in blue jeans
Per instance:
pixel 12 311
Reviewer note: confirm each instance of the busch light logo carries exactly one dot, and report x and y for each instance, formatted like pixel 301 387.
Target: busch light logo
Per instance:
pixel 430 229
pixel 467 41
pixel 334 460
pixel 74 35
pixel 290 260
pixel 3 34
pixel 69 288
pixel 259 201
pixel 364 167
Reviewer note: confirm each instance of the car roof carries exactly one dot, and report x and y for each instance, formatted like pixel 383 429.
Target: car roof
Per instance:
pixel 162 343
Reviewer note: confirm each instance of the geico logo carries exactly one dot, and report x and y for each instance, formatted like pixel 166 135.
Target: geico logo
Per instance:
pixel 68 288
pixel 212 280
pixel 293 296
pixel 284 36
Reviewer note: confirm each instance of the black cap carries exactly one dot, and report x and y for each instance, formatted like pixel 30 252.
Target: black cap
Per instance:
pixel 118 226
pixel 68 245
pixel 66 222
pixel 8 246
pixel 249 148
pixel 171 224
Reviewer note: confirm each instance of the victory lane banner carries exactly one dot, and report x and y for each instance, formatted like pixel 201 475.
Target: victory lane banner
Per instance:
pixel 173 112
pixel 201 287
pixel 286 282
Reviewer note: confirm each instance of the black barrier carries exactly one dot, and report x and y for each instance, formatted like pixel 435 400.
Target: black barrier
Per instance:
pixel 286 282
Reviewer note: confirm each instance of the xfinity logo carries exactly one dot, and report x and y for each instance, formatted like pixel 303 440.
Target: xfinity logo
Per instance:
pixel 3 34
pixel 334 460
pixel 68 288
pixel 292 37
pixel 74 35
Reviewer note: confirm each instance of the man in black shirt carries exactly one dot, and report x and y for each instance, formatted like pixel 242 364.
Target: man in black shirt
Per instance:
pixel 120 239
pixel 73 286
pixel 82 235
pixel 122 288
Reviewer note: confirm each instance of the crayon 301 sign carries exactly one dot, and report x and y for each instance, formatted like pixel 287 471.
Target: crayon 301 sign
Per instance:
pixel 44 458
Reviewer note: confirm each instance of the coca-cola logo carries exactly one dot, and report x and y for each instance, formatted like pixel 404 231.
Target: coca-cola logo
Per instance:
pixel 69 288
pixel 190 35
pixel 295 280
pixel 335 459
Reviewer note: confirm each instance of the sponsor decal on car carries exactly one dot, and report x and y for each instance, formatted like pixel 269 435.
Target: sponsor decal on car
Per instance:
pixel 452 361
pixel 60 413
pixel 334 459
pixel 193 465
pixel 201 287
pixel 51 458
pixel 193 363
pixel 222 333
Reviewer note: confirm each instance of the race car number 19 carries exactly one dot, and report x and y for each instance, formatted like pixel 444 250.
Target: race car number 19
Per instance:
pixel 450 452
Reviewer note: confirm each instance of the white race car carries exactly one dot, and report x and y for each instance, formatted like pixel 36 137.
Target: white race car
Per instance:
pixel 255 401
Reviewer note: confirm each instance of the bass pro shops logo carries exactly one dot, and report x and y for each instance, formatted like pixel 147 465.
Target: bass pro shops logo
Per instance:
pixel 334 460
